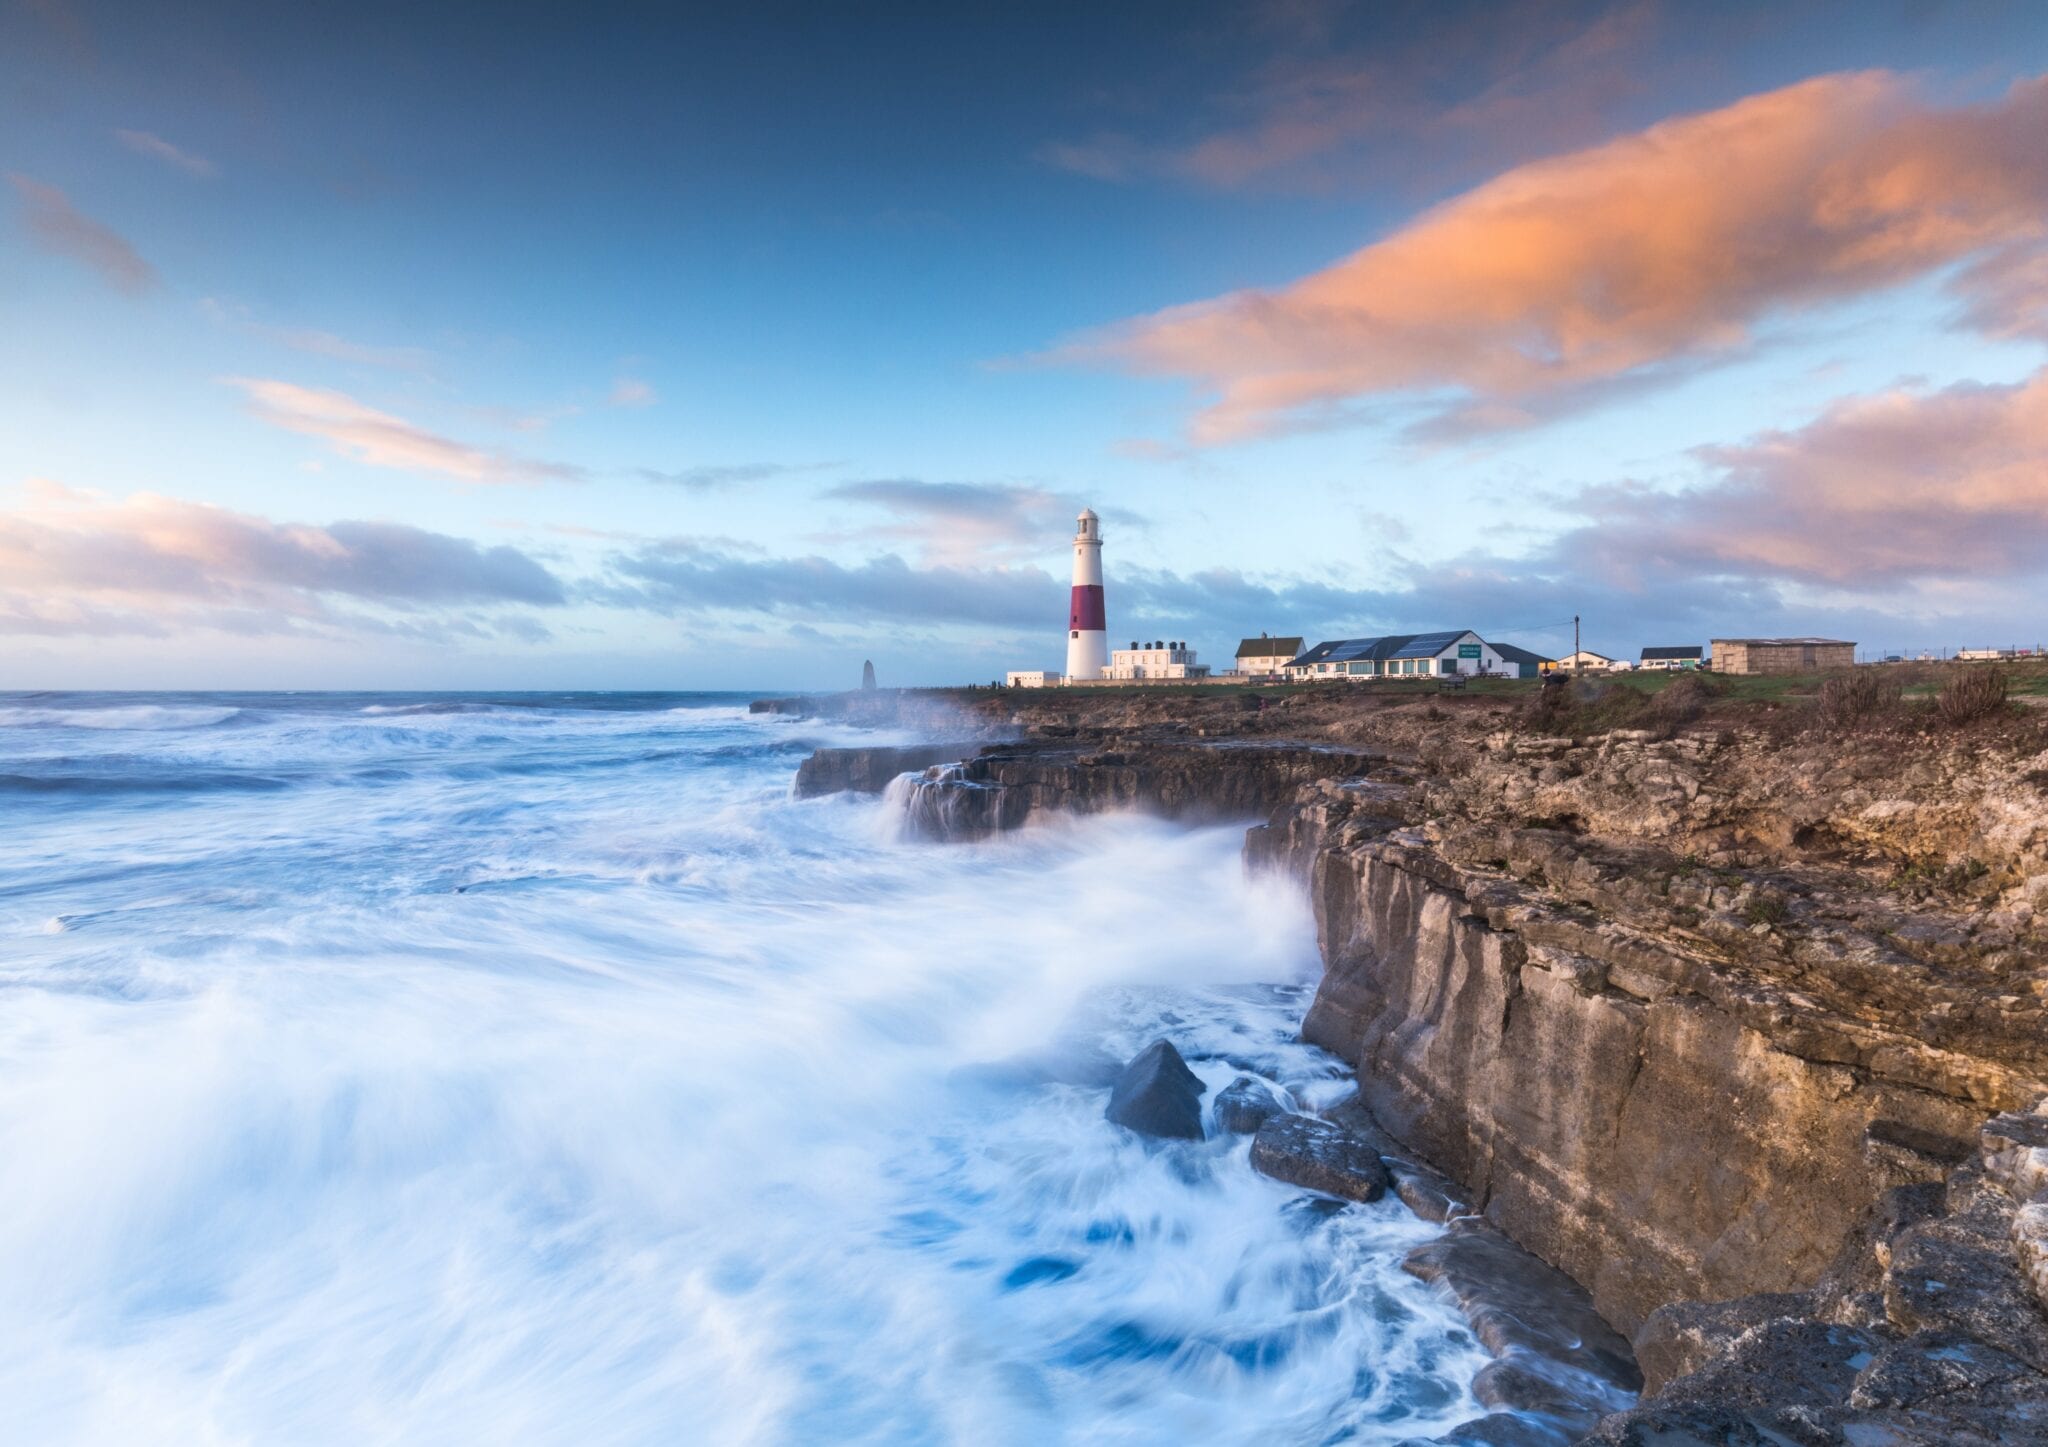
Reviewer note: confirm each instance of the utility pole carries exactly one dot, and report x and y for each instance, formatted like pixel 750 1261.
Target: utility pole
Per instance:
pixel 1576 660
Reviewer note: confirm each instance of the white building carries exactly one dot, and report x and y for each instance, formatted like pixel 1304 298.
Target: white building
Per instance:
pixel 1414 655
pixel 1154 660
pixel 1584 661
pixel 1671 660
pixel 1033 678
pixel 1266 655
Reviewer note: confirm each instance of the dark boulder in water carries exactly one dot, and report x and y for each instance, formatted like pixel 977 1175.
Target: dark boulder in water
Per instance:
pixel 1304 1151
pixel 1245 1105
pixel 1157 1095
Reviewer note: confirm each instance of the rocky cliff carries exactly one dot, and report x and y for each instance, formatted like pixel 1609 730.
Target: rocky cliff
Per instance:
pixel 1688 1017
pixel 1005 786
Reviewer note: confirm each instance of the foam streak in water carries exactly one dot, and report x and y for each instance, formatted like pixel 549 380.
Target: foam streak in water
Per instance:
pixel 534 1070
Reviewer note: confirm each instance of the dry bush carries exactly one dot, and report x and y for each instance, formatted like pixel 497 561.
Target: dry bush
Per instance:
pixel 1973 694
pixel 1859 697
pixel 1684 699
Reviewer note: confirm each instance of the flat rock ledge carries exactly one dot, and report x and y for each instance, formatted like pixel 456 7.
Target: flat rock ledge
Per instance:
pixel 1558 1367
pixel 1318 1155
pixel 870 770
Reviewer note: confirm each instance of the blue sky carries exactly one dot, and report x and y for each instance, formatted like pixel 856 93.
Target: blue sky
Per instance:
pixel 671 347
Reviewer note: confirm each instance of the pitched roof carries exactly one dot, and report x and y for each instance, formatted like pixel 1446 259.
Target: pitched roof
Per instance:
pixel 1268 647
pixel 1393 645
pixel 1786 642
pixel 1691 650
pixel 1513 654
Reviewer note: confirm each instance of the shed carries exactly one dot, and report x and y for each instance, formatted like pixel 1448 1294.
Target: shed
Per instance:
pixel 1782 655
pixel 1521 662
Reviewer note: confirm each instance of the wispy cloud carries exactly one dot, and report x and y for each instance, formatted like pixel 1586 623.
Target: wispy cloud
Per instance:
pixel 1567 277
pixel 380 439
pixel 960 521
pixel 632 392
pixel 691 575
pixel 708 477
pixel 63 230
pixel 159 149
pixel 315 342
pixel 71 561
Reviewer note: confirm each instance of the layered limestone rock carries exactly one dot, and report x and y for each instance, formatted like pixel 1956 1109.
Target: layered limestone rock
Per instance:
pixel 1668 1099
pixel 1711 1023
pixel 1006 786
pixel 871 770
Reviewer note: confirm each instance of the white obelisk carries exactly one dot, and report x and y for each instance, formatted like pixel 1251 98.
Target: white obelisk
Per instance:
pixel 1087 628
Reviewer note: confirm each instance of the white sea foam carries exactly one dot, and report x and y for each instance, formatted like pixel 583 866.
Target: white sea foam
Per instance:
pixel 579 1086
pixel 144 717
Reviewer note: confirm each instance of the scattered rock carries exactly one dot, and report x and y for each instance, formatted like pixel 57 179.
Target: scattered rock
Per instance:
pixel 1782 1363
pixel 2030 1245
pixel 1956 1275
pixel 1690 1424
pixel 1428 1193
pixel 1681 1338
pixel 1246 1104
pixel 1505 1429
pixel 1157 1095
pixel 2016 1153
pixel 1304 1151
pixel 1932 1364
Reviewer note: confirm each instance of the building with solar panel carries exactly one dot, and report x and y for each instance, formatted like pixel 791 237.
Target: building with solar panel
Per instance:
pixel 1415 655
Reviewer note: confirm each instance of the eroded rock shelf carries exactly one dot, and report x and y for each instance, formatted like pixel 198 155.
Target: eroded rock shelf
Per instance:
pixel 1681 1024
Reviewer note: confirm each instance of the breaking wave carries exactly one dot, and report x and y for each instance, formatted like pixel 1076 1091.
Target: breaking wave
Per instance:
pixel 571 1083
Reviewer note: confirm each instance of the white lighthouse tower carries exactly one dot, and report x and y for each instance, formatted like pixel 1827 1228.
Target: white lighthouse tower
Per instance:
pixel 1087 630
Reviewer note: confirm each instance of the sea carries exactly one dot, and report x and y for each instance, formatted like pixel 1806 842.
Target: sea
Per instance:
pixel 533 1068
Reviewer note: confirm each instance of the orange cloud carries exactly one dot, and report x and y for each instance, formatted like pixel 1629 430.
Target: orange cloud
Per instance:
pixel 380 439
pixel 1572 274
pixel 1874 495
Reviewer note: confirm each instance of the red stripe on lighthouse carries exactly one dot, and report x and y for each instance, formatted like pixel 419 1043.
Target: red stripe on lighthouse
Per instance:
pixel 1084 612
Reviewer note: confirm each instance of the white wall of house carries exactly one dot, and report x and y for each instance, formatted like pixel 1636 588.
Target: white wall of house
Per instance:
pixel 1161 660
pixel 1263 664
pixel 1033 678
pixel 1466 654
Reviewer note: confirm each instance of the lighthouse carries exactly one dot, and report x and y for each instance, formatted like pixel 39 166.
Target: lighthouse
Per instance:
pixel 1087 638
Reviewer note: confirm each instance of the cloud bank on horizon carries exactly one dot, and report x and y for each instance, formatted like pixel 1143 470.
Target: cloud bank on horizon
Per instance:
pixel 1840 282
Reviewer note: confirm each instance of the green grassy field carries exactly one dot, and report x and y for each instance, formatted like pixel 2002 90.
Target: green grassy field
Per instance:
pixel 1921 680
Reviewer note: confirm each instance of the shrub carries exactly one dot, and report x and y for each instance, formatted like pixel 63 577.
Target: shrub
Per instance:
pixel 1863 695
pixel 1972 694
pixel 1766 907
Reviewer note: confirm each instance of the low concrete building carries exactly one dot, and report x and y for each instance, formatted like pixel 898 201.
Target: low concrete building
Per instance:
pixel 1691 655
pixel 1782 655
pixel 1265 654
pixel 1033 678
pixel 1154 660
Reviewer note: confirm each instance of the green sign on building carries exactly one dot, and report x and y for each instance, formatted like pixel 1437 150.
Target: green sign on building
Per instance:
pixel 1468 650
